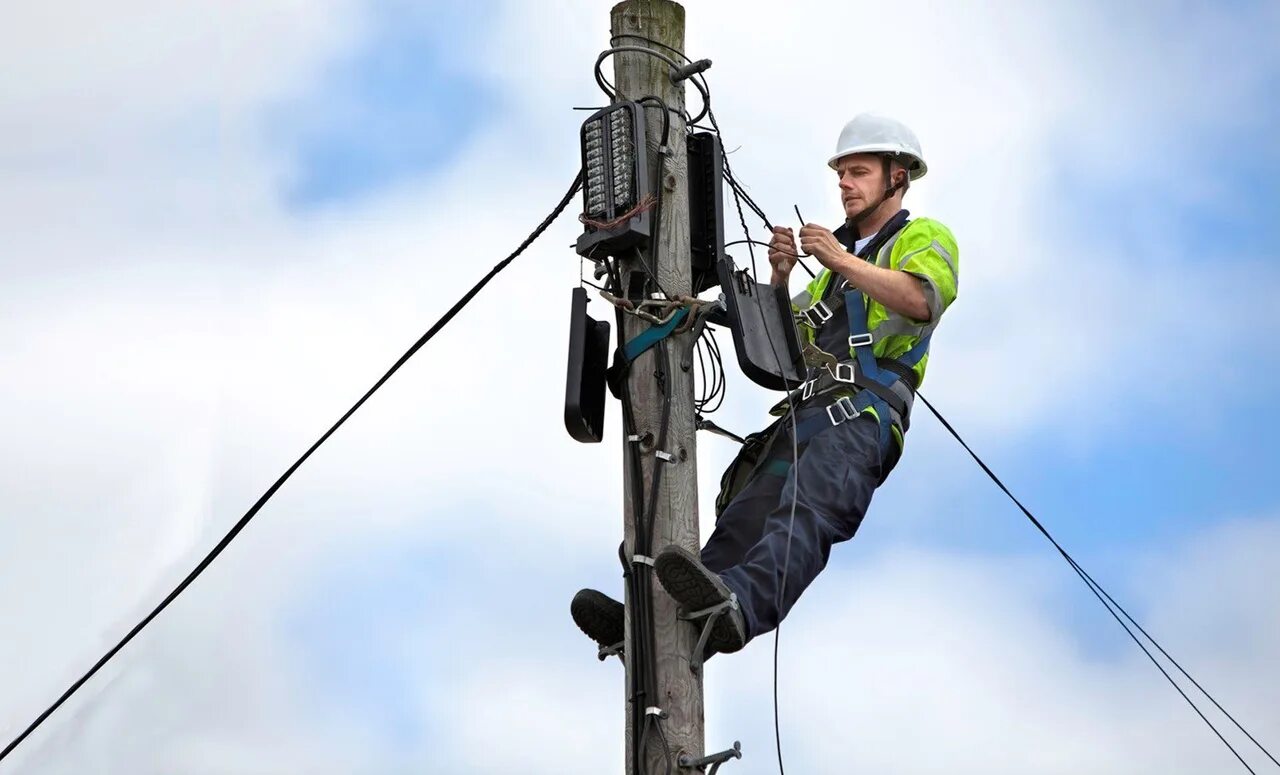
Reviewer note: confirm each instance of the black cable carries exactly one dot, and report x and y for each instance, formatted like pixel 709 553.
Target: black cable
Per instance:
pixel 795 451
pixel 643 646
pixel 638 583
pixel 240 525
pixel 704 394
pixel 635 587
pixel 1099 592
pixel 738 196
pixel 662 374
pixel 733 181
pixel 743 220
pixel 717 371
pixel 613 40
pixel 712 380
pixel 666 746
pixel 654 237
pixel 751 203
pixel 699 80
pixel 798 256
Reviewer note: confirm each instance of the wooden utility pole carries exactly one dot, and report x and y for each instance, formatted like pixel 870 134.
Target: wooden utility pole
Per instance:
pixel 636 75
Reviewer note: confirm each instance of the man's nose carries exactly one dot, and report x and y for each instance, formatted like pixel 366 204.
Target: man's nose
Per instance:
pixel 846 181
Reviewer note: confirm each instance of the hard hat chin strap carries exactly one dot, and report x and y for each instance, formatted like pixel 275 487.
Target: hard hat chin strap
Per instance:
pixel 889 190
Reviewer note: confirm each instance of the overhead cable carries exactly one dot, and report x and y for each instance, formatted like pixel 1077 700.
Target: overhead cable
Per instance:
pixel 1108 601
pixel 249 515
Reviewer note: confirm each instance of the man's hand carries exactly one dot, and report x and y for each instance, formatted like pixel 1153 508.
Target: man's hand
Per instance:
pixel 820 243
pixel 782 254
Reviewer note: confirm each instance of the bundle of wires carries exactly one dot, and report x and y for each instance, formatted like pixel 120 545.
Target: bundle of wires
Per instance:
pixel 709 388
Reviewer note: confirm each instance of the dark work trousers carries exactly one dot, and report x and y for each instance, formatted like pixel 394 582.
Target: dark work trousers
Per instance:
pixel 838 470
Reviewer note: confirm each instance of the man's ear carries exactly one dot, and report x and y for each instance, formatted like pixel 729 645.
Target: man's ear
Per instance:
pixel 903 182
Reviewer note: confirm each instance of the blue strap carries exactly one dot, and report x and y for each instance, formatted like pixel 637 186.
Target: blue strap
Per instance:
pixel 819 421
pixel 911 357
pixel 648 338
pixel 855 304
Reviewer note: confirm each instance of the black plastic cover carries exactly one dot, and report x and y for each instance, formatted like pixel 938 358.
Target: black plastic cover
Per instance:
pixel 706 209
pixel 588 359
pixel 764 332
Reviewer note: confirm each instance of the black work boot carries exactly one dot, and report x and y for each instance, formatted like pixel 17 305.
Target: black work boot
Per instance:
pixel 602 618
pixel 697 589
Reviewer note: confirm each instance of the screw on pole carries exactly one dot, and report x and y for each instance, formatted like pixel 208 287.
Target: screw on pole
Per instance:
pixel 715 759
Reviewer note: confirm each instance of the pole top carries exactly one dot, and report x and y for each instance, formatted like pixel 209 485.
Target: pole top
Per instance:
pixel 640 14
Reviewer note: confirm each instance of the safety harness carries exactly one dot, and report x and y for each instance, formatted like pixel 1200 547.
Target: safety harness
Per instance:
pixel 836 389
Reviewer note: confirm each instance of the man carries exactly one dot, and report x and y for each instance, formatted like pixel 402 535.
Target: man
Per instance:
pixel 867 320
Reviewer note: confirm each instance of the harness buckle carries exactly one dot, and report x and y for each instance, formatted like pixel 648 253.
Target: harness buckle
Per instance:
pixel 860 340
pixel 843 372
pixel 816 315
pixel 809 387
pixel 846 407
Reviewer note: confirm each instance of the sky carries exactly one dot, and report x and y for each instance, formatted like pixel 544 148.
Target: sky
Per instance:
pixel 221 221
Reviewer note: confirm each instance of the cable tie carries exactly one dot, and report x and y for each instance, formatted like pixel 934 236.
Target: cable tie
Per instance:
pixel 665 456
pixel 633 437
pixel 641 559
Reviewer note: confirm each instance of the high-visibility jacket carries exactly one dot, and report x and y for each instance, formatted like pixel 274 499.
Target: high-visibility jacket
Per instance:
pixel 924 248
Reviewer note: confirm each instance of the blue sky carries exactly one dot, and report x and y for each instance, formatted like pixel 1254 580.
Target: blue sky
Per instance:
pixel 1111 355
pixel 393 109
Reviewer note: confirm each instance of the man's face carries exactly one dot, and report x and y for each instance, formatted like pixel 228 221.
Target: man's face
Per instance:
pixel 861 181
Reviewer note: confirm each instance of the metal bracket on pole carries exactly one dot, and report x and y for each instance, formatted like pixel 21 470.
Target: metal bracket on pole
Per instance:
pixel 716 759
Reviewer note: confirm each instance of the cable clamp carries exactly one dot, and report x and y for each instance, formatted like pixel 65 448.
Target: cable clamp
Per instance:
pixel 654 710
pixel 642 560
pixel 633 437
pixel 666 457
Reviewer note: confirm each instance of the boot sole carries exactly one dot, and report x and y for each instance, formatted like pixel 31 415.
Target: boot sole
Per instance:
pixel 600 617
pixel 695 589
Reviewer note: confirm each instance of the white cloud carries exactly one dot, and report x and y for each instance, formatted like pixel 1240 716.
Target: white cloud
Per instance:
pixel 172 340
pixel 921 662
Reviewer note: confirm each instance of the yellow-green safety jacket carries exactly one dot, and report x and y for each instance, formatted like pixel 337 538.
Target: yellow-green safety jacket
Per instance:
pixel 924 248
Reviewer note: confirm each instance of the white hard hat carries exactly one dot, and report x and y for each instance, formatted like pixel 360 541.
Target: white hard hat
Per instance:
pixel 869 133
